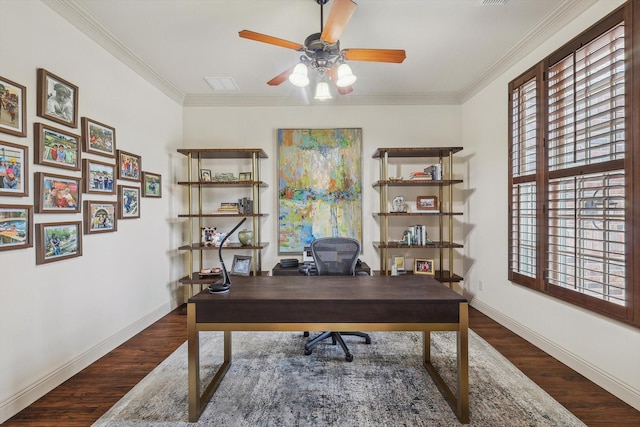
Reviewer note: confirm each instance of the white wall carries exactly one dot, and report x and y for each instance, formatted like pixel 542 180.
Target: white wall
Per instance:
pixel 57 318
pixel 388 126
pixel 605 351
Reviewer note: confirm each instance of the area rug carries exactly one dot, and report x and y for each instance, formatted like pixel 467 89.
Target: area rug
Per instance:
pixel 272 383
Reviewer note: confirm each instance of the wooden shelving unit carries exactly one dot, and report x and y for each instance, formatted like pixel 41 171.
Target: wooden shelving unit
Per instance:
pixel 197 218
pixel 442 188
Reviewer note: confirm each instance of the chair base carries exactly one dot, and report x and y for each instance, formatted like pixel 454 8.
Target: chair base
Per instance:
pixel 336 337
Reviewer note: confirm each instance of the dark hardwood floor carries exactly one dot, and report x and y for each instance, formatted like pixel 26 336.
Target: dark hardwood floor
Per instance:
pixel 84 398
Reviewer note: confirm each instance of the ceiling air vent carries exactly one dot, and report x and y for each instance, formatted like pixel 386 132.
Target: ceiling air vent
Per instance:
pixel 491 2
pixel 221 83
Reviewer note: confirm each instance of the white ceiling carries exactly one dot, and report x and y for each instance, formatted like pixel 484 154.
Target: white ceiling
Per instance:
pixel 453 47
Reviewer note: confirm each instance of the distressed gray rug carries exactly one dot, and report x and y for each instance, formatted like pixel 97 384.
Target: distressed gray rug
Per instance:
pixel 272 383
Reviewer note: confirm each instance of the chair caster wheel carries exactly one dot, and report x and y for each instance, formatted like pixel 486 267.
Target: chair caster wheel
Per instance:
pixel 367 340
pixel 307 351
pixel 349 357
pixel 305 334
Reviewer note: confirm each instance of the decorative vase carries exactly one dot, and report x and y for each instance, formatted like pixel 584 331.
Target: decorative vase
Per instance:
pixel 245 236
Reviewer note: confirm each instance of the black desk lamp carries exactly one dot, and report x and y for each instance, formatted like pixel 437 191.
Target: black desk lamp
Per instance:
pixel 225 284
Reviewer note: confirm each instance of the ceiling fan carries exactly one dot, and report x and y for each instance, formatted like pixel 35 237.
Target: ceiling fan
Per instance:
pixel 322 53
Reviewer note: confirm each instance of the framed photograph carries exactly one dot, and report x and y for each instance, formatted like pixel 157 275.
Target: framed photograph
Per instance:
pixel 128 202
pixel 423 266
pixel 244 176
pixel 56 241
pixel 13 108
pixel 427 203
pixel 129 166
pixel 241 265
pixel 205 175
pixel 151 184
pixel 14 169
pixel 57 99
pixel 16 223
pixel 57 193
pixel 399 263
pixel 98 138
pixel 55 147
pixel 100 216
pixel 99 177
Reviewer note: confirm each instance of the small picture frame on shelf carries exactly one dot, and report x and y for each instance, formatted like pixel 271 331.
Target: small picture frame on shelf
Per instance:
pixel 398 261
pixel 423 266
pixel 244 176
pixel 205 175
pixel 241 265
pixel 427 203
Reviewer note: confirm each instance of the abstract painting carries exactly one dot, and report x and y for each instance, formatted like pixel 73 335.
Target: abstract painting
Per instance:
pixel 319 186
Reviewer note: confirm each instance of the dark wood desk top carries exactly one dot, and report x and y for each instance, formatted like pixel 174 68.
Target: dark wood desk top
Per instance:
pixel 317 299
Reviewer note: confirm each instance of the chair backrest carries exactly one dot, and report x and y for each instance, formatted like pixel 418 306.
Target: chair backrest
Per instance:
pixel 335 255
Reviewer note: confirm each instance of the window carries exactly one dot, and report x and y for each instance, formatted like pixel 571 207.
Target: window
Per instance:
pixel 571 172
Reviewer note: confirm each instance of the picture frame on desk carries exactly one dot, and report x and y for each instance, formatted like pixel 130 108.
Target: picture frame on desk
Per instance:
pixel 399 263
pixel 423 266
pixel 241 265
pixel 427 203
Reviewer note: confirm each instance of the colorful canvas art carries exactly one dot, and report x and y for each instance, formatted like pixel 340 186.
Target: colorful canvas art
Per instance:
pixel 319 186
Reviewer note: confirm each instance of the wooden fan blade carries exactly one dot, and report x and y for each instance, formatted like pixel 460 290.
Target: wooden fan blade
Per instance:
pixel 252 35
pixel 280 78
pixel 375 55
pixel 339 16
pixel 345 90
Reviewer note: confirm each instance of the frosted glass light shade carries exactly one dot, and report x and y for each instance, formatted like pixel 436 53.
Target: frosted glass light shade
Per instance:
pixel 345 76
pixel 322 91
pixel 299 76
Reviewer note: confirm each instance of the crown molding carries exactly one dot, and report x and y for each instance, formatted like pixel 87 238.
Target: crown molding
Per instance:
pixel 197 100
pixel 559 17
pixel 78 16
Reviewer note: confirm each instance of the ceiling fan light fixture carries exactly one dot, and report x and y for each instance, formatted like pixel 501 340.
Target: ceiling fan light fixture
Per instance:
pixel 299 76
pixel 322 91
pixel 345 76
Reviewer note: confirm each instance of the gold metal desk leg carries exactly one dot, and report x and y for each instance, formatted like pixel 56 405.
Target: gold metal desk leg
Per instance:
pixel 459 403
pixel 197 401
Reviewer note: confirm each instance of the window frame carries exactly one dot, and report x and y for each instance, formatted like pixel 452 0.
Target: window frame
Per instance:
pixel 629 13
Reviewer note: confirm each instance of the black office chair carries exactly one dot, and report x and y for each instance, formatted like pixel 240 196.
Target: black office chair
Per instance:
pixel 335 256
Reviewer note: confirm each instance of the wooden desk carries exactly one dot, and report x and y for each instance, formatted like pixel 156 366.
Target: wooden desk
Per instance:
pixel 330 303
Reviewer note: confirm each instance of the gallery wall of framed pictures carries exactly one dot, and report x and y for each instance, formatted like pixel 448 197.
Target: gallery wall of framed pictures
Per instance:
pixel 79 159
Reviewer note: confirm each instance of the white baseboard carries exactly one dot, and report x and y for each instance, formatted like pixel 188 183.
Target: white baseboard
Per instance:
pixel 613 385
pixel 25 397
